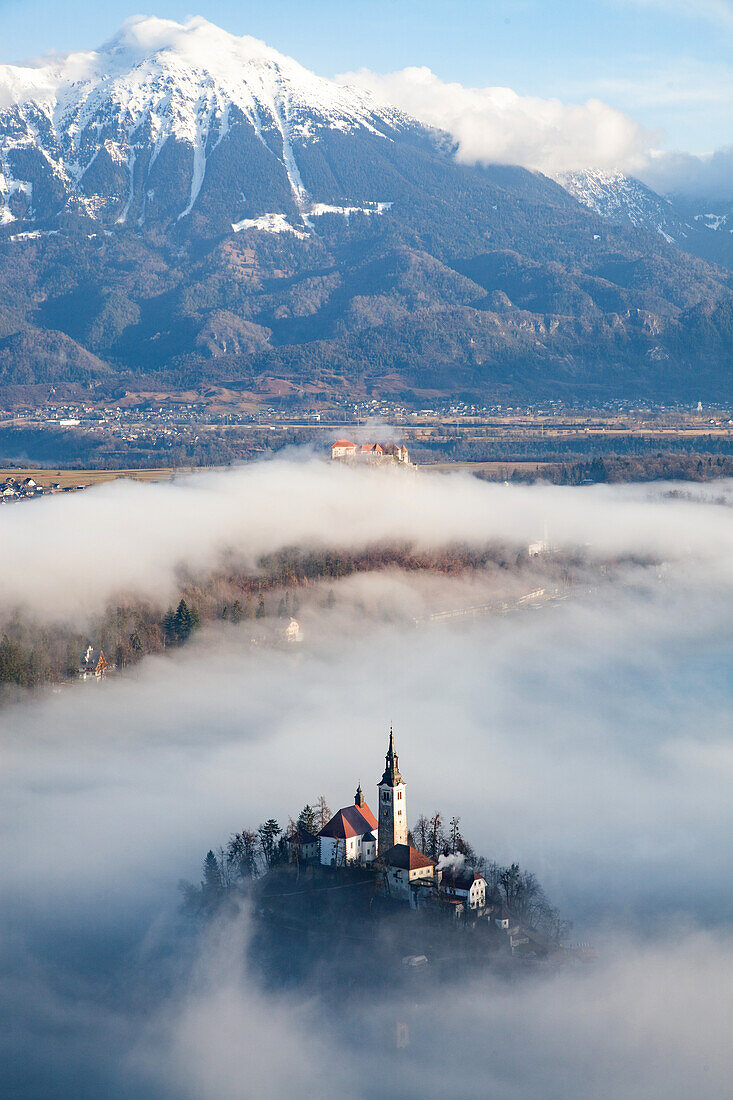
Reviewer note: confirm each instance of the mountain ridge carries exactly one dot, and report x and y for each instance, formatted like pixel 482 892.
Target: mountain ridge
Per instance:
pixel 626 200
pixel 167 224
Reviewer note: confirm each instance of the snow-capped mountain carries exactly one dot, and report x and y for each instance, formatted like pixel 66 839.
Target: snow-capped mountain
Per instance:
pixel 626 200
pixel 140 130
pixel 185 206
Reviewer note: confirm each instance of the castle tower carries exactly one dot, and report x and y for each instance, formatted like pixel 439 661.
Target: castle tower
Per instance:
pixel 392 815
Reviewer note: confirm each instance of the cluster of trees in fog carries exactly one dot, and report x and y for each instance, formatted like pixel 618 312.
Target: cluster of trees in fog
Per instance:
pixel 250 854
pixel 519 890
pixel 617 469
pixel 32 653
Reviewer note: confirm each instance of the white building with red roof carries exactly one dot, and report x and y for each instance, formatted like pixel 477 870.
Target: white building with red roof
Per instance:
pixel 354 835
pixel 463 884
pixel 370 453
pixel 406 869
pixel 343 448
pixel 350 836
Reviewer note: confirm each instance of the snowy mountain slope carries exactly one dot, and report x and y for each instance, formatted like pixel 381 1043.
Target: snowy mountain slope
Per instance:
pixel 186 207
pixel 624 199
pixel 627 201
pixel 128 132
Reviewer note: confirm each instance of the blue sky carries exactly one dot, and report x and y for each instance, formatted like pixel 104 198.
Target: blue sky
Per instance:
pixel 666 62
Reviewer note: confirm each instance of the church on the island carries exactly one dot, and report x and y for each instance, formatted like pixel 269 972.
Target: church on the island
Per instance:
pixel 355 835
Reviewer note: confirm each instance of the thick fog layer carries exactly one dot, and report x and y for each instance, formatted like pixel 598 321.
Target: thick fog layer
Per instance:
pixel 589 740
pixel 68 554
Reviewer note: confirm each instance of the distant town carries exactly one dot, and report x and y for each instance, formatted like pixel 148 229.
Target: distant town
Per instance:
pixel 27 488
pixel 551 441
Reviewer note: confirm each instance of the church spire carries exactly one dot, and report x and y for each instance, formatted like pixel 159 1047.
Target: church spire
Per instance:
pixel 392 803
pixel 391 775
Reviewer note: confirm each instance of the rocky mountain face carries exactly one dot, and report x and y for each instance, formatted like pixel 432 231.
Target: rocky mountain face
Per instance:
pixel 184 208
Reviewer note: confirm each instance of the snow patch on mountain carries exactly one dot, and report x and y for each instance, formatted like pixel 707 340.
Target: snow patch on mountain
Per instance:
pixel 714 221
pixel 269 223
pixel 320 208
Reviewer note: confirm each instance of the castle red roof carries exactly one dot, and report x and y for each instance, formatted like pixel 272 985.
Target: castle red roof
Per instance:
pixel 343 443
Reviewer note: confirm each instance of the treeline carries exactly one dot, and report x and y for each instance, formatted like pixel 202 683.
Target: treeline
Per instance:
pixel 248 855
pixel 81 450
pixel 619 469
pixel 577 449
pixel 32 654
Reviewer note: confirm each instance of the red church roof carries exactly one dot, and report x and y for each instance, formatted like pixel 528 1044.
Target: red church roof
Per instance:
pixel 351 821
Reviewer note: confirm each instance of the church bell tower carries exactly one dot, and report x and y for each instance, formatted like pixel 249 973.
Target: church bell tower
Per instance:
pixel 392 803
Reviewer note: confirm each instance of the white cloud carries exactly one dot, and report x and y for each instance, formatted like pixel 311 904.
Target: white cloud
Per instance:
pixel 498 126
pixel 707 177
pixel 65 556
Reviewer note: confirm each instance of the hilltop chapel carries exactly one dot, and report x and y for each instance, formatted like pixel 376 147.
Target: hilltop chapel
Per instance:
pixel 355 835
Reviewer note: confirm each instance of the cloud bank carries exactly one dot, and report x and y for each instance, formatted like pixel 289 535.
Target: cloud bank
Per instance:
pixel 66 556
pixel 589 740
pixel 495 125
pixel 498 126
pixel 708 177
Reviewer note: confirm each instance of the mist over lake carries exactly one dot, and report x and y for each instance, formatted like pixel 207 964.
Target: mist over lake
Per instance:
pixel 587 739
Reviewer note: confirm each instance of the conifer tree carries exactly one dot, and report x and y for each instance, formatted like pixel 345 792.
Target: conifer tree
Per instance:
pixel 212 886
pixel 268 834
pixel 241 854
pixel 307 819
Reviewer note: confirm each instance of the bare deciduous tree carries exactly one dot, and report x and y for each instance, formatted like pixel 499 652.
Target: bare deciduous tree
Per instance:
pixel 322 812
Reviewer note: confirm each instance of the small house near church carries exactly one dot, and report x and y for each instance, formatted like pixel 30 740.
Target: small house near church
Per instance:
pixel 405 867
pixel 302 846
pixel 464 885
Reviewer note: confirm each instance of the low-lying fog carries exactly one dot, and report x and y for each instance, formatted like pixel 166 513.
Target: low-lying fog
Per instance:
pixel 588 739
pixel 71 553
